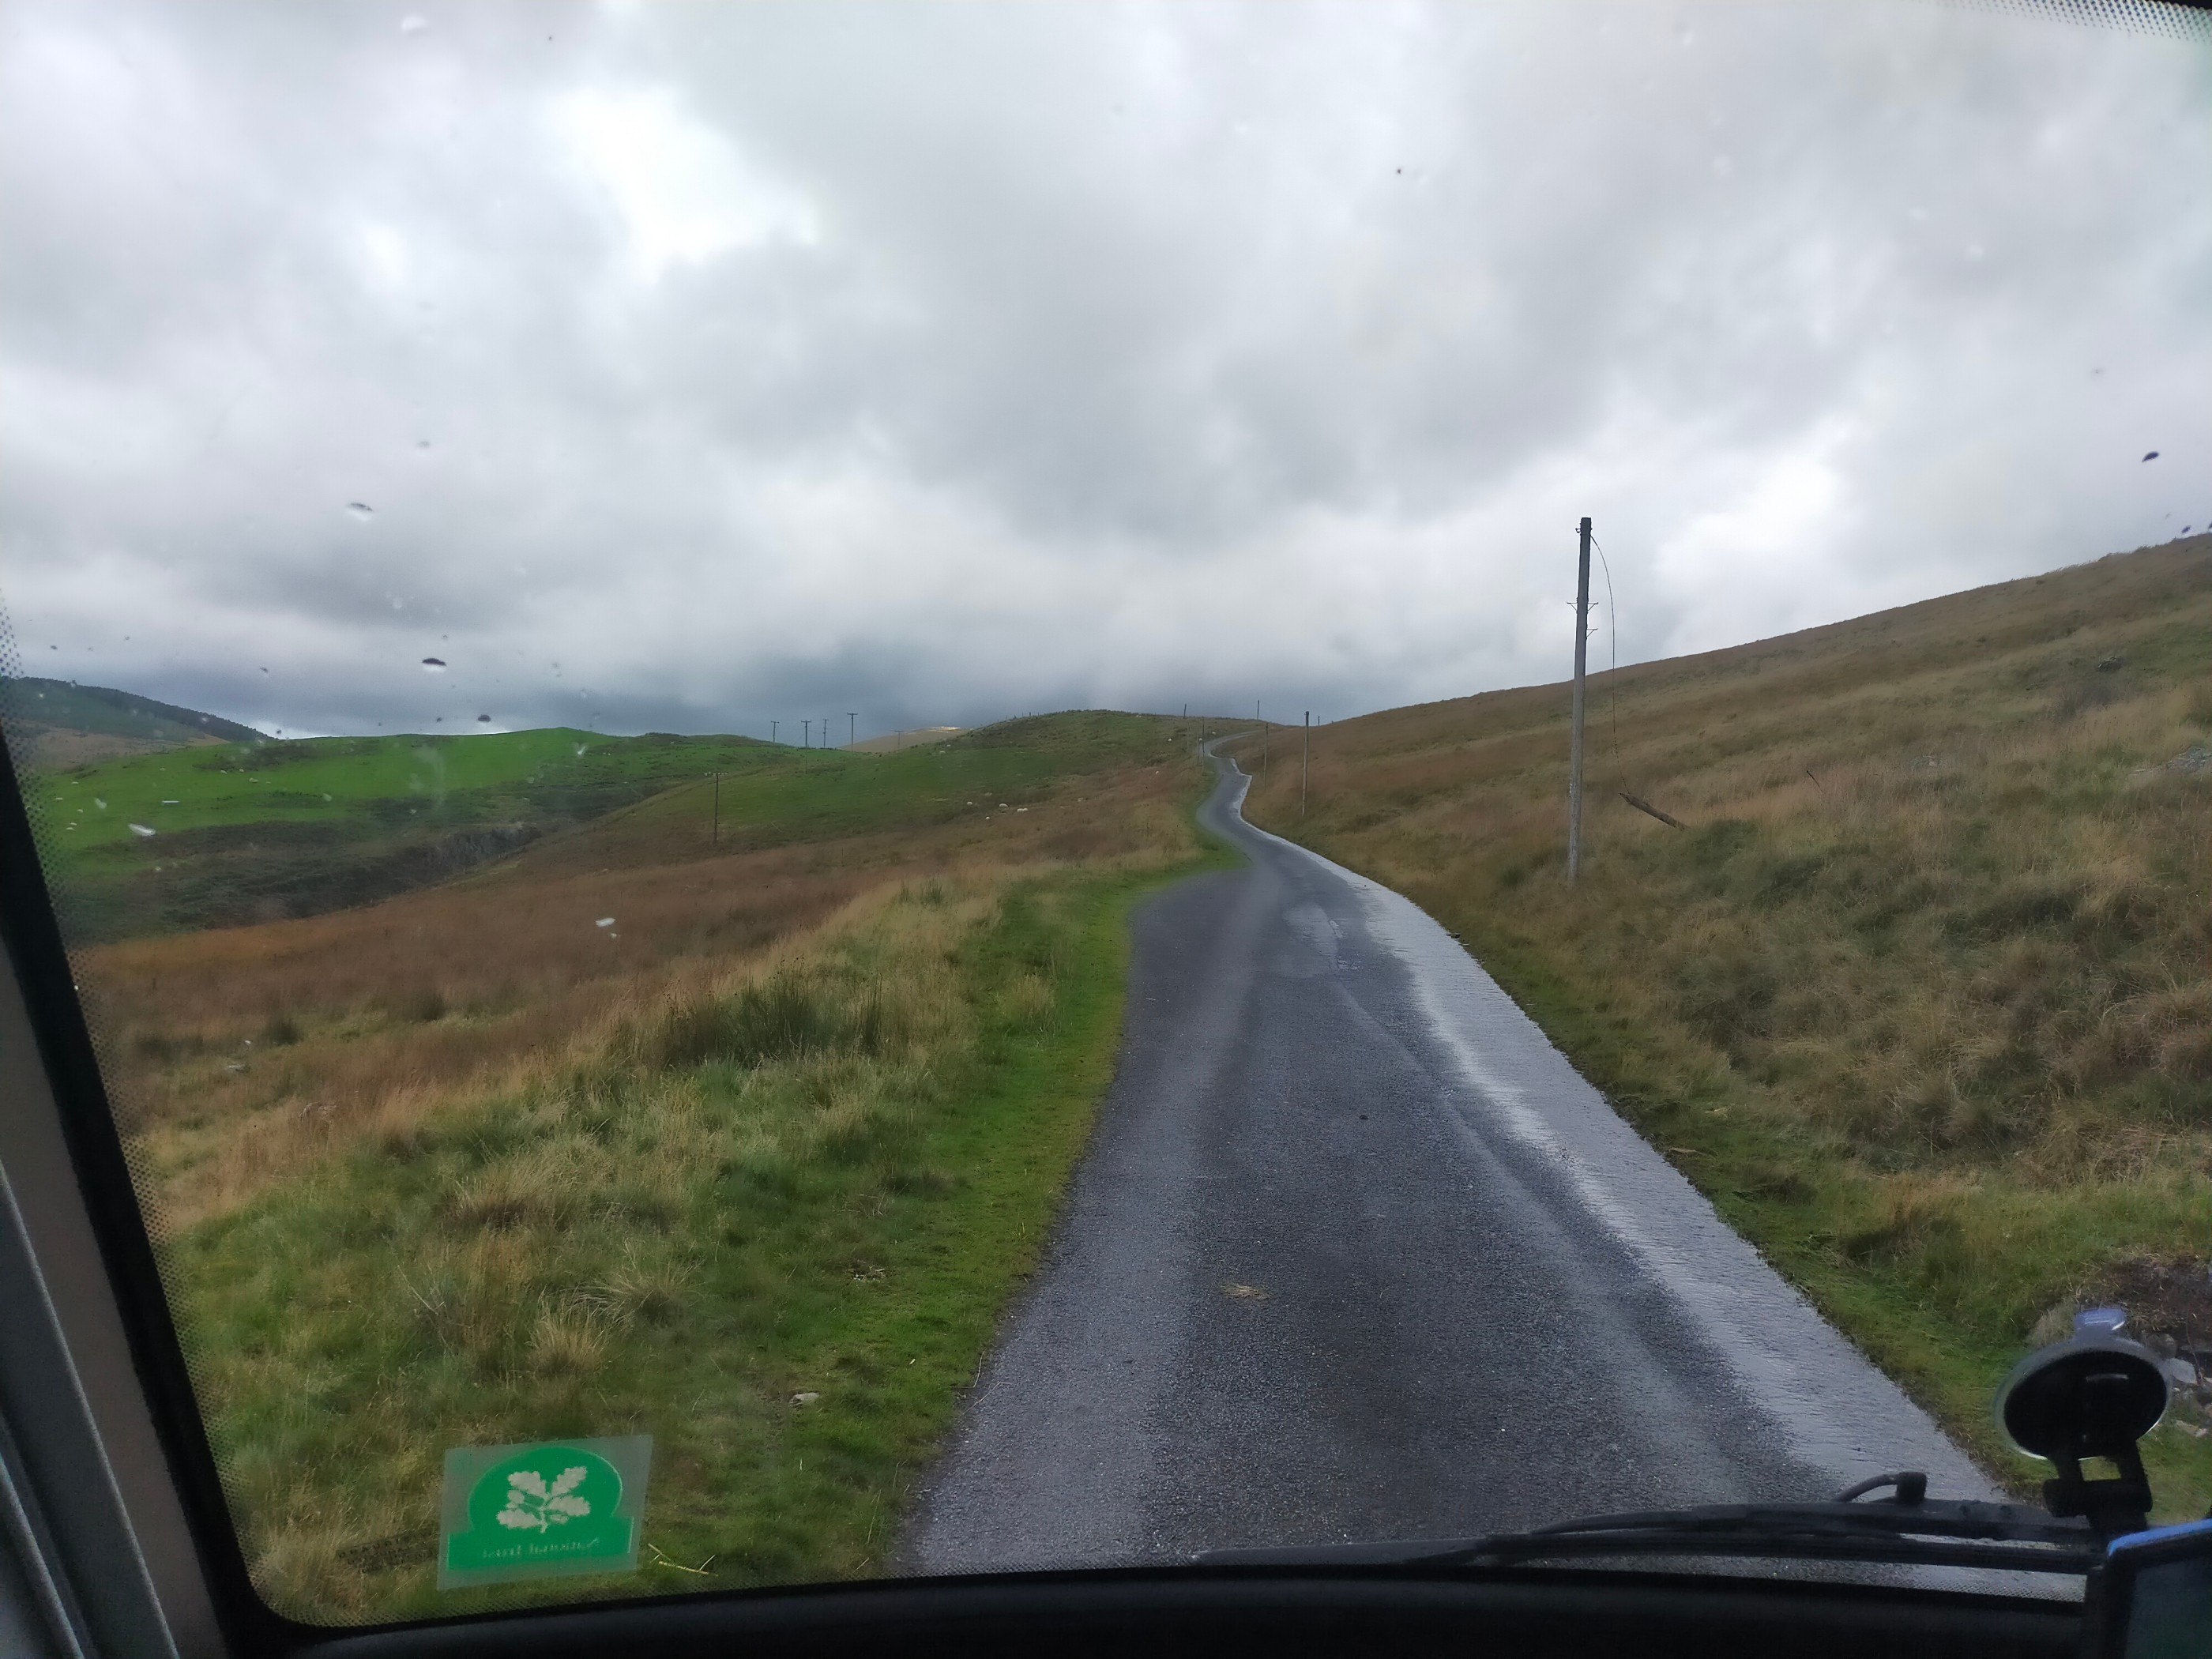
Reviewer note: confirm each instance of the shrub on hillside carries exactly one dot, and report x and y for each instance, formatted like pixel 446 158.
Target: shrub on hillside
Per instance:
pixel 780 1019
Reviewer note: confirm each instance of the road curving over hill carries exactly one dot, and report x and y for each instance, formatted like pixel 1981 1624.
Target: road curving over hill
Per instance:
pixel 1355 1253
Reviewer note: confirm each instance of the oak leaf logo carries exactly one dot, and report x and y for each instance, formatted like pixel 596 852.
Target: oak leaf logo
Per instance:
pixel 532 1502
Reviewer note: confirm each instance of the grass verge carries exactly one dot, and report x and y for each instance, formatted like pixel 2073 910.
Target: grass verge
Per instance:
pixel 1940 1286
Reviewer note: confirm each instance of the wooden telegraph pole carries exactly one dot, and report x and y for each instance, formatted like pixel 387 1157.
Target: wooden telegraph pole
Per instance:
pixel 1575 745
pixel 1305 762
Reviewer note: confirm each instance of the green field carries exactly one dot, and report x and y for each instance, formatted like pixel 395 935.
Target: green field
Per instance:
pixel 364 786
pixel 254 832
pixel 827 794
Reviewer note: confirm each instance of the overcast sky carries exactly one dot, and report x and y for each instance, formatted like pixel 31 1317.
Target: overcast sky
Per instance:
pixel 687 365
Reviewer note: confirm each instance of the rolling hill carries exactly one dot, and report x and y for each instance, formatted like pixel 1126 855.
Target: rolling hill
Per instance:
pixel 224 833
pixel 59 723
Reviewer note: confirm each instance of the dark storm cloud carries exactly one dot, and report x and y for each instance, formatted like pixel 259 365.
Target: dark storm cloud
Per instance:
pixel 947 361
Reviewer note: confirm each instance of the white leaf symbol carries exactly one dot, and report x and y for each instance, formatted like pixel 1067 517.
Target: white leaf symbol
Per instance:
pixel 531 1503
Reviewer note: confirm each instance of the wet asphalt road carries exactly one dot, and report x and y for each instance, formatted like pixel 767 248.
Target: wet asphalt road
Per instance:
pixel 1355 1254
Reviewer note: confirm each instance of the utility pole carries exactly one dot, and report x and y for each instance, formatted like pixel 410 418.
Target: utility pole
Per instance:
pixel 806 734
pixel 1575 745
pixel 1263 734
pixel 771 731
pixel 852 728
pixel 714 839
pixel 1305 762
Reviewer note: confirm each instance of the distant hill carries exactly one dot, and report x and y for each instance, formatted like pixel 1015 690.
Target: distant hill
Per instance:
pixel 216 834
pixel 56 723
pixel 892 742
pixel 222 834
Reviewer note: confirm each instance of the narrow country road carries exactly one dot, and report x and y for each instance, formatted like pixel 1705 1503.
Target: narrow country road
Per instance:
pixel 1355 1254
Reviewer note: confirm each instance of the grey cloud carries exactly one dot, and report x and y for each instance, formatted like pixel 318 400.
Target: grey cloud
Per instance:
pixel 1004 357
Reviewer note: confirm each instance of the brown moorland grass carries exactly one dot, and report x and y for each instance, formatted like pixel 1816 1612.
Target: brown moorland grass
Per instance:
pixel 237 1055
pixel 1921 994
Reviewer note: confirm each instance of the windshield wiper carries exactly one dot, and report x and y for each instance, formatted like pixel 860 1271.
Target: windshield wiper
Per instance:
pixel 1906 1527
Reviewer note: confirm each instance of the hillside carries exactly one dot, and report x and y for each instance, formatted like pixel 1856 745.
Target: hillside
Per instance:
pixel 216 834
pixel 1920 994
pixel 510 954
pixel 667 1122
pixel 222 834
pixel 59 723
pixel 892 742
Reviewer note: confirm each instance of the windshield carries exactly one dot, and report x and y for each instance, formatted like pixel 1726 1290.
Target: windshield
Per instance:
pixel 812 776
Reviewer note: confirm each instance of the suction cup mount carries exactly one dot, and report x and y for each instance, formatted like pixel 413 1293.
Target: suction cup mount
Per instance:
pixel 2094 1395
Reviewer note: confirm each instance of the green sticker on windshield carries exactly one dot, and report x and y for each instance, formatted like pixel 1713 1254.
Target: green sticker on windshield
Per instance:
pixel 530 1511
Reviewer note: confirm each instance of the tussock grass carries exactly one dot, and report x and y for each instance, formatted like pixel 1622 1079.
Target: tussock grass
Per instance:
pixel 781 1019
pixel 1922 994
